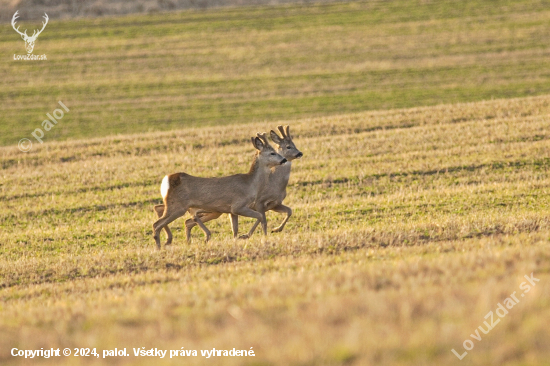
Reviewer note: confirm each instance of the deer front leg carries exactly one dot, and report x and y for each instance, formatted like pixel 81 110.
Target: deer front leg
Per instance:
pixel 248 212
pixel 282 209
pixel 249 234
pixel 234 224
pixel 262 220
pixel 159 209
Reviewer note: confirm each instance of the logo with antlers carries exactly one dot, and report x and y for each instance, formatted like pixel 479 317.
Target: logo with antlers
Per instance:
pixel 29 41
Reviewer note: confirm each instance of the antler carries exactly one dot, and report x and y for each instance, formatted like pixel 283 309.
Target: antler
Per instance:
pixel 263 137
pixel 43 26
pixel 281 130
pixel 15 16
pixel 287 131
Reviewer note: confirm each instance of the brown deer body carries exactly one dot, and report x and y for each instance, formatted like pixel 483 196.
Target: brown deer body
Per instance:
pixel 270 196
pixel 232 194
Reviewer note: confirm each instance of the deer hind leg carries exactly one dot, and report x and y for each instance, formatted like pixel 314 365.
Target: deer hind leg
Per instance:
pixel 282 209
pixel 168 216
pixel 204 229
pixel 199 219
pixel 159 209
pixel 190 223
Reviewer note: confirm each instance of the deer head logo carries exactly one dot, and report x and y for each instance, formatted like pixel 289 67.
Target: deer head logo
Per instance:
pixel 29 41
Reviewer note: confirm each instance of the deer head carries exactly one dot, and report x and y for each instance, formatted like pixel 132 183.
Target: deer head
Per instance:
pixel 286 145
pixel 29 41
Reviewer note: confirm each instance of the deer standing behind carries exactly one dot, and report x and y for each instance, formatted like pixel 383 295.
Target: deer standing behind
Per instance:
pixel 270 196
pixel 233 194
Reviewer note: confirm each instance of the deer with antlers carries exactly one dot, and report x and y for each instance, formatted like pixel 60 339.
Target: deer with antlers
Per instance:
pixel 270 196
pixel 233 194
pixel 29 41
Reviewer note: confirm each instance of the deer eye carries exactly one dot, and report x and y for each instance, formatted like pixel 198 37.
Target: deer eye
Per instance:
pixel 288 147
pixel 272 153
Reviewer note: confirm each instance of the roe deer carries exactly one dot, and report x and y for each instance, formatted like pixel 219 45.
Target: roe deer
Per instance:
pixel 270 196
pixel 232 194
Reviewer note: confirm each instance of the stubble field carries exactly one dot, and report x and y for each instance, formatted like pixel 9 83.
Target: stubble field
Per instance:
pixel 418 208
pixel 147 73
pixel 409 226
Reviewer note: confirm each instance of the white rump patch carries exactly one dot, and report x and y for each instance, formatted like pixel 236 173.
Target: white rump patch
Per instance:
pixel 164 187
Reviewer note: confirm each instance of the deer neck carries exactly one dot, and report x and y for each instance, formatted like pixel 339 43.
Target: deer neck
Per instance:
pixel 282 172
pixel 259 173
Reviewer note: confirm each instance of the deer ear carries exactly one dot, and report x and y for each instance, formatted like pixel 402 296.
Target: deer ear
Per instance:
pixel 275 138
pixel 258 144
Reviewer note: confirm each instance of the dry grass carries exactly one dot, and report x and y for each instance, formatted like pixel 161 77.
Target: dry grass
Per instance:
pixel 144 73
pixel 409 226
